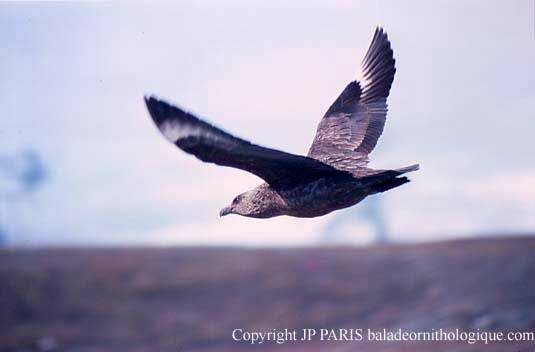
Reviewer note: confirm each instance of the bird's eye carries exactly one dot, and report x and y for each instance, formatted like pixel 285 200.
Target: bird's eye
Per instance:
pixel 235 201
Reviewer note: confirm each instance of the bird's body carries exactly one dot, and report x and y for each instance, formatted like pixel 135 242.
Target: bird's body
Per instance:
pixel 315 198
pixel 305 200
pixel 318 197
pixel 334 175
pixel 323 196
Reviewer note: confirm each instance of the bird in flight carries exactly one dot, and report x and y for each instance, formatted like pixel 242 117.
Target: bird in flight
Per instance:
pixel 335 173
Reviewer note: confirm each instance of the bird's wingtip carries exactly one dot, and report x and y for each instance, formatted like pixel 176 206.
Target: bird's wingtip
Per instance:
pixel 157 108
pixel 150 99
pixel 149 102
pixel 379 34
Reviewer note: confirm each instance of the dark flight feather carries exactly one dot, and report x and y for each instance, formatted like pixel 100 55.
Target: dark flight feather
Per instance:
pixel 211 144
pixel 353 124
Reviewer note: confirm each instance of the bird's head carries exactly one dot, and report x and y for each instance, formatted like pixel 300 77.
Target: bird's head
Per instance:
pixel 256 203
pixel 238 206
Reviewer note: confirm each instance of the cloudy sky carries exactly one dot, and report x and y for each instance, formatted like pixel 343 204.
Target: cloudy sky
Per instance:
pixel 73 76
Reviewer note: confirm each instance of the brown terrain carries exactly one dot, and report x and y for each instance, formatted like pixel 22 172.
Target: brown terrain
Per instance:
pixel 191 299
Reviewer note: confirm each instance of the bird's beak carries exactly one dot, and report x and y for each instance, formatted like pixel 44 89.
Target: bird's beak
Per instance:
pixel 225 211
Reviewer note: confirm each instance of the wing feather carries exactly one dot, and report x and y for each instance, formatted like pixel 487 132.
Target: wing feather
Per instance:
pixel 350 129
pixel 213 145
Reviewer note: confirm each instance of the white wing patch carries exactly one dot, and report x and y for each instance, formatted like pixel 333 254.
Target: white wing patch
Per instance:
pixel 173 130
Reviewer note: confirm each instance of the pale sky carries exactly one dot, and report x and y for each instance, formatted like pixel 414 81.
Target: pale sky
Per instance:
pixel 73 76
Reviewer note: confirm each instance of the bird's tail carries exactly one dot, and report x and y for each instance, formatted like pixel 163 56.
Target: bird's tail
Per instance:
pixel 385 180
pixel 391 183
pixel 406 169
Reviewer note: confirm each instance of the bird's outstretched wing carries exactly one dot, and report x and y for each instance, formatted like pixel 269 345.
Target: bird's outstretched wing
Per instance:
pixel 210 144
pixel 351 127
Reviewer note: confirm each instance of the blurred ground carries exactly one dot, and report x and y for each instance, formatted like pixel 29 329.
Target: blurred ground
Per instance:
pixel 190 299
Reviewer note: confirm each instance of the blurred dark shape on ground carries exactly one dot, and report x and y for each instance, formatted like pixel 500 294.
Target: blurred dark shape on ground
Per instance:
pixel 370 211
pixel 2 238
pixel 20 175
pixel 190 299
